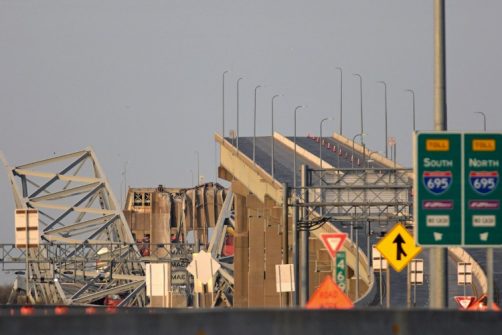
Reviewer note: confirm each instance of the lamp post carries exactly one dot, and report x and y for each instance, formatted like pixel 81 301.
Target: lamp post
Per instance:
pixel 320 138
pixel 237 130
pixel 484 119
pixel 272 136
pixel 386 122
pixel 320 160
pixel 360 98
pixel 254 124
pixel 297 108
pixel 353 141
pixel 198 171
pixel 413 101
pixel 489 251
pixel 341 99
pixel 223 105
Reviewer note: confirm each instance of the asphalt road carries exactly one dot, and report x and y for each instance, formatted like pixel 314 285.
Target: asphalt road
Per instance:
pixel 284 173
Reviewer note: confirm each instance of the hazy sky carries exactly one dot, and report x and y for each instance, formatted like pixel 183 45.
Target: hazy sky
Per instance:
pixel 140 80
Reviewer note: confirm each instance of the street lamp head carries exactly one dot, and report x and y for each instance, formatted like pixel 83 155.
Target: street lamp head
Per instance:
pixel 327 119
pixel 359 134
pixel 298 107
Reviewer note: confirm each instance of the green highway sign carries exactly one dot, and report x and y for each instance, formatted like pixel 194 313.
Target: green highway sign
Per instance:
pixel 341 270
pixel 482 189
pixel 457 193
pixel 438 186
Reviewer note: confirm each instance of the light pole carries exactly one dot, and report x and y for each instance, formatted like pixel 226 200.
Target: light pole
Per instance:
pixel 353 141
pixel 489 251
pixel 297 108
pixel 320 138
pixel 320 160
pixel 484 119
pixel 272 136
pixel 238 81
pixel 254 125
pixel 198 171
pixel 341 99
pixel 223 104
pixel 352 223
pixel 386 122
pixel 360 98
pixel 413 101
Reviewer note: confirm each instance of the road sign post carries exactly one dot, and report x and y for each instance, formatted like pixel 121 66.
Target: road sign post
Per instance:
pixel 379 263
pixel 416 268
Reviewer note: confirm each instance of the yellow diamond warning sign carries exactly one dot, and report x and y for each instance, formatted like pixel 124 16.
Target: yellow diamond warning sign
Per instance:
pixel 398 247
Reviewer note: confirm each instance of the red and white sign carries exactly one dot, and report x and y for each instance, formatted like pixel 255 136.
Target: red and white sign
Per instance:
pixel 333 242
pixel 465 301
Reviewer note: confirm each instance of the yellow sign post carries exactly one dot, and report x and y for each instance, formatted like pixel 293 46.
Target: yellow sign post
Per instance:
pixel 398 247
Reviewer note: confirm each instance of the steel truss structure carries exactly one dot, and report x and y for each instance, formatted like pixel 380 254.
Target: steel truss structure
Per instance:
pixel 224 283
pixel 87 250
pixel 77 207
pixel 356 195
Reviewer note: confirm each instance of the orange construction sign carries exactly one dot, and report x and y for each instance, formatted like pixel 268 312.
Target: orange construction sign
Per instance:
pixel 329 295
pixel 482 305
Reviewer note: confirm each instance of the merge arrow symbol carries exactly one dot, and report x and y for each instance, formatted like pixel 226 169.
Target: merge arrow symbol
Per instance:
pixel 399 241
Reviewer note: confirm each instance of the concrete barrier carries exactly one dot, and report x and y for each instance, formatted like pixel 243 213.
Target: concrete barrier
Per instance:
pixel 252 322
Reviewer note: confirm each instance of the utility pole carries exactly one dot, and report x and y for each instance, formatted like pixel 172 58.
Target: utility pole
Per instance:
pixel 438 293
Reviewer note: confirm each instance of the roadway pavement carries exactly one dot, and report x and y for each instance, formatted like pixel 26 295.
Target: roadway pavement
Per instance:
pixel 284 174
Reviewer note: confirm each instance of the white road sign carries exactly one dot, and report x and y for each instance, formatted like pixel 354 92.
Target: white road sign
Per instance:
pixel 203 267
pixel 417 271
pixel 464 273
pixel 284 278
pixel 378 262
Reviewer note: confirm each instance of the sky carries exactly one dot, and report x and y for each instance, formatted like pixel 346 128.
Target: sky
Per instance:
pixel 141 80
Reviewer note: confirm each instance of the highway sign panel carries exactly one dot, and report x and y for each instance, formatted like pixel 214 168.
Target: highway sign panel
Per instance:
pixel 417 272
pixel 438 185
pixel 333 242
pixel 464 302
pixel 341 270
pixel 284 278
pixel 203 267
pixel 158 279
pixel 26 224
pixel 482 190
pixel 464 273
pixel 398 247
pixel 458 191
pixel 378 262
pixel 329 295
